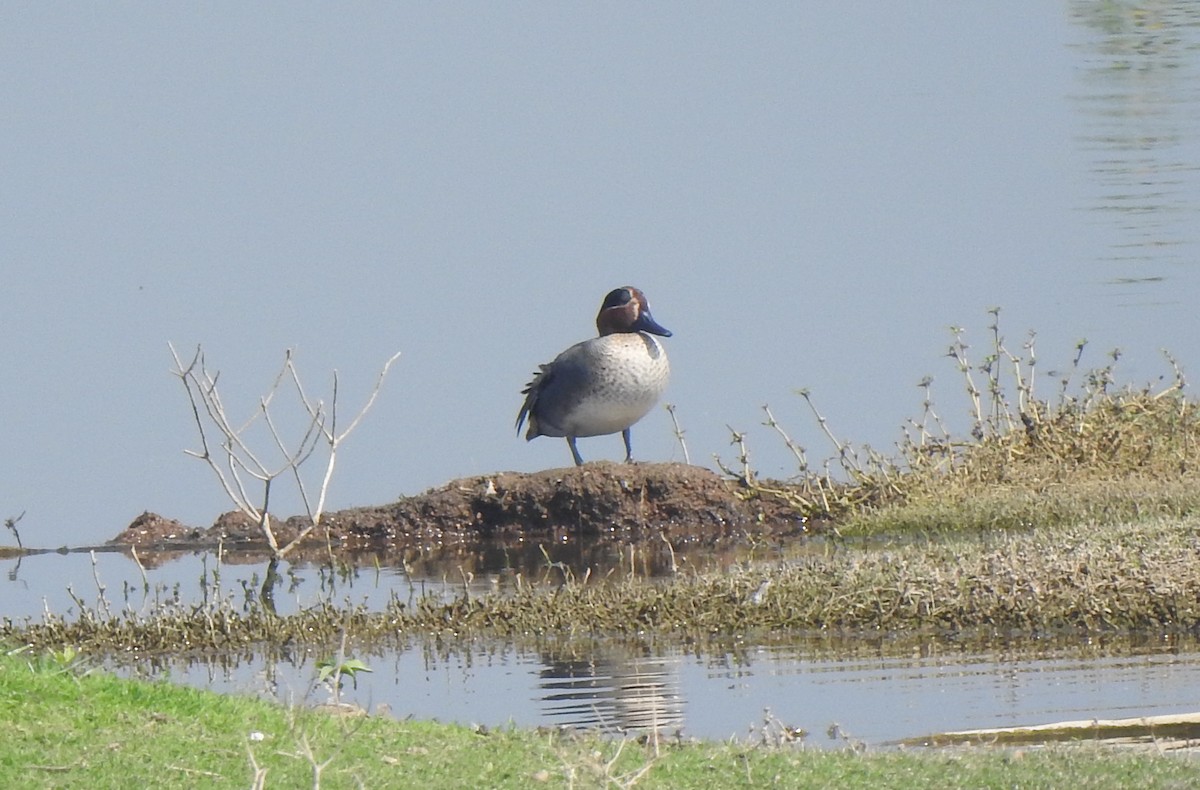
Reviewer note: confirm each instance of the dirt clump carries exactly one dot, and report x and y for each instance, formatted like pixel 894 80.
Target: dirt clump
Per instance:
pixel 630 501
pixel 151 529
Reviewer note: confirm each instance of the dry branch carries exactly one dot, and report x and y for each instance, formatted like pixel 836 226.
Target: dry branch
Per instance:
pixel 243 473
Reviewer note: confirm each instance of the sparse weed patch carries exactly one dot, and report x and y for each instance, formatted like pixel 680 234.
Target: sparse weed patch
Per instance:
pixel 1093 452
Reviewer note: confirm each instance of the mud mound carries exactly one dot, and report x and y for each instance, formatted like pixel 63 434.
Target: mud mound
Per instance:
pixel 234 528
pixel 151 529
pixel 626 501
pixel 634 501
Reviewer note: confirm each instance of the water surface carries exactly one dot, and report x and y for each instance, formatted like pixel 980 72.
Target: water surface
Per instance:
pixel 876 690
pixel 809 193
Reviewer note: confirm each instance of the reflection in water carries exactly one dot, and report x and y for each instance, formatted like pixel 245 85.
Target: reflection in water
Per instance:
pixel 576 558
pixel 876 690
pixel 1139 100
pixel 612 690
pixel 713 690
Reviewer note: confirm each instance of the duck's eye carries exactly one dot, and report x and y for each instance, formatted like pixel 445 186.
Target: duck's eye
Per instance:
pixel 617 298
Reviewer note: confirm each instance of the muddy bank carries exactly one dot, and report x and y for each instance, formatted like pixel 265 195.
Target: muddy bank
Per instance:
pixel 623 501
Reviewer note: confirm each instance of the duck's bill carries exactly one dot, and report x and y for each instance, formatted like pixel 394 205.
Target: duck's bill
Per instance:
pixel 646 323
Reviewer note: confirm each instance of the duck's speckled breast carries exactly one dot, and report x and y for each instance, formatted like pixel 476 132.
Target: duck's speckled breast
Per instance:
pixel 603 385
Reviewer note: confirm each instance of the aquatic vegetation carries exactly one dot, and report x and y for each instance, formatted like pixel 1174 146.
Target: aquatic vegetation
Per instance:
pixel 1046 581
pixel 332 670
pixel 1053 580
pixel 10 524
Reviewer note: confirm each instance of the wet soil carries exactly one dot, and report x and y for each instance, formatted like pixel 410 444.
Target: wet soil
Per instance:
pixel 630 502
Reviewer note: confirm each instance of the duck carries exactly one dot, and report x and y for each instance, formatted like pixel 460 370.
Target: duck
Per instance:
pixel 603 385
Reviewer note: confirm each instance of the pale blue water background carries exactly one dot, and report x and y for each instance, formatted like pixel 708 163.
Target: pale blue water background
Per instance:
pixel 810 194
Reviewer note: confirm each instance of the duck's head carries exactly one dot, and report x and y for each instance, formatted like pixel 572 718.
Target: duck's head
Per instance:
pixel 626 310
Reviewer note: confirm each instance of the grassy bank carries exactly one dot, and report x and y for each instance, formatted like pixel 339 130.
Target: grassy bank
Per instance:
pixel 67 729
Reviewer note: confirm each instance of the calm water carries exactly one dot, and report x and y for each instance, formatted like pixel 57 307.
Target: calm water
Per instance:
pixel 876 691
pixel 1138 104
pixel 810 195
pixel 1048 162
pixel 873 696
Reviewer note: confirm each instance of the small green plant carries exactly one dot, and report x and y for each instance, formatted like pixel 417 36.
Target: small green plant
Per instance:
pixel 66 657
pixel 332 670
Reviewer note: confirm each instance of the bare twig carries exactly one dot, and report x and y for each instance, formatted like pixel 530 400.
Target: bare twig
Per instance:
pixel 224 448
pixel 11 523
pixel 846 456
pixel 958 352
pixel 679 433
pixel 747 475
pixel 796 449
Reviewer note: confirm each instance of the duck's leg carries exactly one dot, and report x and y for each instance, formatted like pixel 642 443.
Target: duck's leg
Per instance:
pixel 628 448
pixel 574 451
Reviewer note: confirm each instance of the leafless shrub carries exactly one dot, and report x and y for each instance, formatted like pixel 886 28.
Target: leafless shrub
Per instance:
pixel 247 474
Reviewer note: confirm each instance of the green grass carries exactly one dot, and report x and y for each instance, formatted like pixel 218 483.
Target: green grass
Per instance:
pixel 67 729
pixel 1003 507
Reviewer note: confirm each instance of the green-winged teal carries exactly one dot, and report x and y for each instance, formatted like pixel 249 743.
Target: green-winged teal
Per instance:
pixel 603 385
